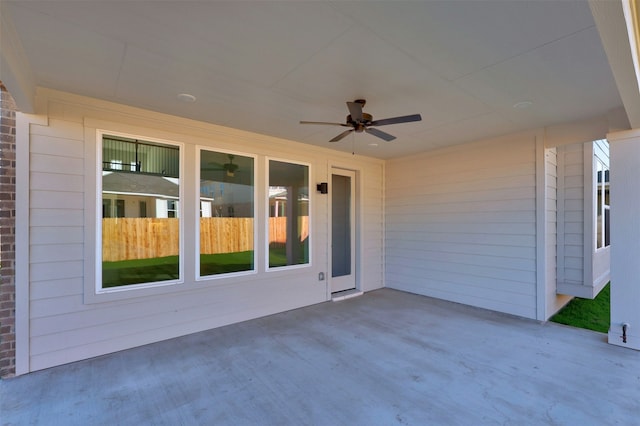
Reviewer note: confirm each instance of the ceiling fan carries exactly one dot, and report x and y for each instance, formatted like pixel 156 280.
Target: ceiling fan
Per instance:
pixel 229 168
pixel 362 122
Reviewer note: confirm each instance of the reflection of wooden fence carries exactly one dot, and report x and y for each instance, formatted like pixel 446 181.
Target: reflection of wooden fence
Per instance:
pixel 139 238
pixel 225 234
pixel 144 238
pixel 278 229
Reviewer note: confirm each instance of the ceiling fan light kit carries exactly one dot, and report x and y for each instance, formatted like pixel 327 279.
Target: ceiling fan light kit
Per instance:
pixel 230 167
pixel 360 121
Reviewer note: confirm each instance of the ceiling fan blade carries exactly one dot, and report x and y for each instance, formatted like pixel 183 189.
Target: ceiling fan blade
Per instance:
pixel 396 120
pixel 341 136
pixel 382 135
pixel 325 123
pixel 355 109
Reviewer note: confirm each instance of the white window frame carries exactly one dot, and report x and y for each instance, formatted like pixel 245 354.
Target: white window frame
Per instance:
pixel 599 158
pixel 98 290
pixel 267 215
pixel 256 216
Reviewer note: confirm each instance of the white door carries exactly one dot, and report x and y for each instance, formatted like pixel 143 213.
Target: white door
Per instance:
pixel 343 235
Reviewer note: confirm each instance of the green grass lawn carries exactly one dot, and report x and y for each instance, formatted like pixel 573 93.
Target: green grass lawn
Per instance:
pixel 278 255
pixel 213 264
pixel 586 313
pixel 138 271
pixel 128 272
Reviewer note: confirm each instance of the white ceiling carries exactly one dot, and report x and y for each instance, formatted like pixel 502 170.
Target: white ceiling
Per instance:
pixel 263 66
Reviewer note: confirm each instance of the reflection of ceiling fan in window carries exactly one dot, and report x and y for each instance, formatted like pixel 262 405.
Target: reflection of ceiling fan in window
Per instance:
pixel 230 168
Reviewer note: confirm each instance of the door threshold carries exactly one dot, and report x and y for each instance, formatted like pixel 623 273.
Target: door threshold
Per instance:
pixel 345 294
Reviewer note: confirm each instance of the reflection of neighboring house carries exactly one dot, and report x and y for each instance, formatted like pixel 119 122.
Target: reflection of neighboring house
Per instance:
pixel 278 202
pixel 603 234
pixel 127 194
pixel 225 199
pixel 278 224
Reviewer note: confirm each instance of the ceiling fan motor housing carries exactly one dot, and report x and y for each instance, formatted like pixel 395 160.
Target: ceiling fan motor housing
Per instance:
pixel 360 125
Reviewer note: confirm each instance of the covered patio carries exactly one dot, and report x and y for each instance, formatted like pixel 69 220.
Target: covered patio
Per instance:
pixel 387 357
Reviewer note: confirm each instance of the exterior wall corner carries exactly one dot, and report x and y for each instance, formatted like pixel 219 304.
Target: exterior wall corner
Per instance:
pixel 7 233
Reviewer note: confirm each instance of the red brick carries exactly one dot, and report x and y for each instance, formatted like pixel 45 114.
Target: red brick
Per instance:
pixel 7 232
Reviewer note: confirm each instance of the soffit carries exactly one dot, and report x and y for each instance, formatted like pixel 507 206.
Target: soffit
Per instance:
pixel 263 66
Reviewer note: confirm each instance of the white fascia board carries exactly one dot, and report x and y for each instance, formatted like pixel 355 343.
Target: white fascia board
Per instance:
pixel 15 70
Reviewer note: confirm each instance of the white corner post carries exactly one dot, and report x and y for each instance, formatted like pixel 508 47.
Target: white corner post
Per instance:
pixel 625 238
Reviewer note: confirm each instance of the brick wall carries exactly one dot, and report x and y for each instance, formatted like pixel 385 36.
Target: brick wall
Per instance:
pixel 7 233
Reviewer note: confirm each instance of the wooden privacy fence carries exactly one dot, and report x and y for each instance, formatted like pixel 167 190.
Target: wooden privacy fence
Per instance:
pixel 225 234
pixel 139 238
pixel 145 238
pixel 278 229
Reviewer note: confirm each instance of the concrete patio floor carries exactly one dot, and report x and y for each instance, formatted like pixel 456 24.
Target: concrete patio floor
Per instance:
pixel 384 358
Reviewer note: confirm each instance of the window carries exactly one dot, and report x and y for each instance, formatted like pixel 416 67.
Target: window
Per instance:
pixel 106 208
pixel 601 160
pixel 143 208
pixel 172 208
pixel 112 207
pixel 288 226
pixel 226 213
pixel 140 232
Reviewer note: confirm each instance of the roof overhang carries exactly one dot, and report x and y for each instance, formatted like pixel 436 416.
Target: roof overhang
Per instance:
pixel 15 71
pixel 617 23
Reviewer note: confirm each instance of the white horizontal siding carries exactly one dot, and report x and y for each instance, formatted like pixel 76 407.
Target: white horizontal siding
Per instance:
pixel 56 204
pixel 572 197
pixel 460 224
pixel 150 320
pixel 553 301
pixel 518 243
pixel 56 164
pixel 56 288
pixel 50 145
pixel 52 270
pixel 371 277
pixel 479 248
pixel 56 200
pixel 53 182
pixel 64 327
pixel 57 252
pixel 53 235
pixel 477 183
pixel 56 217
pixel 582 270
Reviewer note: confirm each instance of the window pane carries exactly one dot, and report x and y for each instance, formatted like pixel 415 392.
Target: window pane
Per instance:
pixel 605 205
pixel 288 214
pixel 140 212
pixel 602 201
pixel 226 213
pixel 599 202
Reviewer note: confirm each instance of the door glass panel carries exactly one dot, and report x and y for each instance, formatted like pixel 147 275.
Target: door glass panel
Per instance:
pixel 341 225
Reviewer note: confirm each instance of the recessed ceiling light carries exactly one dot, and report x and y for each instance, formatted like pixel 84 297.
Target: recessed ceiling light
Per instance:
pixel 185 97
pixel 373 144
pixel 522 104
